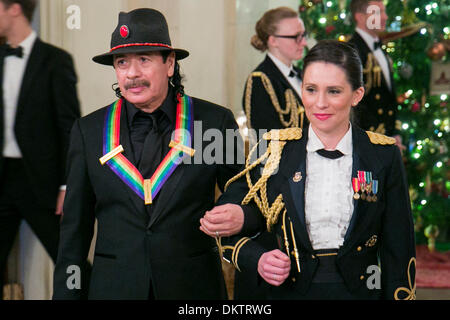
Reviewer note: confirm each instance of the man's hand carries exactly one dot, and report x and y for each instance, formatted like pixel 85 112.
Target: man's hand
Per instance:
pixel 274 267
pixel 60 202
pixel 223 221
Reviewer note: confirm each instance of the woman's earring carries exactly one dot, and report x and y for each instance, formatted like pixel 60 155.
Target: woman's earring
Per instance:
pixel 171 83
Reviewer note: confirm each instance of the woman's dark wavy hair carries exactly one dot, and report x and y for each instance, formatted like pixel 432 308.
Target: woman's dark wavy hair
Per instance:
pixel 340 54
pixel 175 81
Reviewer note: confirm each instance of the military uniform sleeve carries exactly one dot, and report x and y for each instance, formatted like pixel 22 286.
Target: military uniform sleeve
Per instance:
pixel 240 250
pixel 397 251
pixel 77 226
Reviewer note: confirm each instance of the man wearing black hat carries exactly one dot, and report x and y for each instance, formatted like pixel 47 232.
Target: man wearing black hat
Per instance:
pixel 133 172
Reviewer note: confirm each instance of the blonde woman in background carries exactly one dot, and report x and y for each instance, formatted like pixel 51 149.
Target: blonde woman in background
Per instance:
pixel 272 95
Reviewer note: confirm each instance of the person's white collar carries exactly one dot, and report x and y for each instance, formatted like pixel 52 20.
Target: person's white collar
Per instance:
pixel 368 38
pixel 28 42
pixel 285 70
pixel 344 145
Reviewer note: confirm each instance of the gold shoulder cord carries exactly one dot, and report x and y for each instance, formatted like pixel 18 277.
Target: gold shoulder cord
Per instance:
pixel 293 107
pixel 278 139
pixel 411 291
pixel 372 71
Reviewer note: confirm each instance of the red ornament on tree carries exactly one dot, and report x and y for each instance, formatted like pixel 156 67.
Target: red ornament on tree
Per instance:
pixel 415 107
pixel 330 29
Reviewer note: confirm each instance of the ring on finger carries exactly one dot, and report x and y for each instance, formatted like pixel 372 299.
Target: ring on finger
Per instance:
pixel 217 234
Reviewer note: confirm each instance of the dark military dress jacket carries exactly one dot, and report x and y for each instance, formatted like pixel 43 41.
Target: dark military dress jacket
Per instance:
pixel 264 101
pixel 380 232
pixel 377 111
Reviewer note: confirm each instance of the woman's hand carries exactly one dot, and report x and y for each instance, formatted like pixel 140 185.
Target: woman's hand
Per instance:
pixel 274 267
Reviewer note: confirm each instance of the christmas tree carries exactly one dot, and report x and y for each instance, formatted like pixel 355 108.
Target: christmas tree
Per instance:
pixel 418 42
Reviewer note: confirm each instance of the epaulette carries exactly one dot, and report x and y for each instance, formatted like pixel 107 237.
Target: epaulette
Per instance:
pixel 283 134
pixel 257 74
pixel 377 138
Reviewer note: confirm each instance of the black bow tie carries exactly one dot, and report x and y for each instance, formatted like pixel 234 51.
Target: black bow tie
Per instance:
pixel 10 51
pixel 293 74
pixel 330 154
pixel 377 44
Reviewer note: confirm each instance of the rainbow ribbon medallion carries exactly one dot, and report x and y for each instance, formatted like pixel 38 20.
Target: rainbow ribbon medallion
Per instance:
pixel 147 189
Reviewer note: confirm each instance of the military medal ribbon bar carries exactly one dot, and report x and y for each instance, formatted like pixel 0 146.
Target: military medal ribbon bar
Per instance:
pixel 368 187
pixel 362 184
pixel 355 184
pixel 374 189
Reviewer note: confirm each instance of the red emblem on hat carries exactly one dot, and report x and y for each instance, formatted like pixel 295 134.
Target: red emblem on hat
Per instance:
pixel 124 32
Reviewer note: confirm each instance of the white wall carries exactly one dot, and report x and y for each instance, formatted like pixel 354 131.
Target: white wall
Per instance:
pixel 248 12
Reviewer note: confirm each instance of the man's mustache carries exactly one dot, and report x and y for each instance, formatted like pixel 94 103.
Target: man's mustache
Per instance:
pixel 137 83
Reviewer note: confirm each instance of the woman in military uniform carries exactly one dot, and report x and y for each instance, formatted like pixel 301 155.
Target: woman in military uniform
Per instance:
pixel 272 92
pixel 333 196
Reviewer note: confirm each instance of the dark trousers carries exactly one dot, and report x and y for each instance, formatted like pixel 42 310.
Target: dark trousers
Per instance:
pixel 18 202
pixel 327 284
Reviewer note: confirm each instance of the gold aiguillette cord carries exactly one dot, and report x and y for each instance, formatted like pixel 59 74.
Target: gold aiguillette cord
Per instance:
pixel 297 257
pixel 286 241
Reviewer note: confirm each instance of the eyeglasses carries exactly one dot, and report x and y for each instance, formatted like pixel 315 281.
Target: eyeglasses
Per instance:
pixel 298 37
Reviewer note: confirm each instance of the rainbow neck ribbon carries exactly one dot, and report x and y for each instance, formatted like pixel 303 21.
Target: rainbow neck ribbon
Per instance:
pixel 125 170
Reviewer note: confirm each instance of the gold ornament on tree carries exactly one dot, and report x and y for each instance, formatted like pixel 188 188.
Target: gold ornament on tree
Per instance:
pixel 418 225
pixel 431 232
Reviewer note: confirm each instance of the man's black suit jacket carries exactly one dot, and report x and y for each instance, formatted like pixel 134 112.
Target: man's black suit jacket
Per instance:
pixel 133 250
pixel 46 110
pixel 263 113
pixel 378 108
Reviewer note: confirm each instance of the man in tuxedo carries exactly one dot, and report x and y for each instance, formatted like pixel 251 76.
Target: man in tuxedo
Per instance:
pixel 38 105
pixel 146 183
pixel 378 110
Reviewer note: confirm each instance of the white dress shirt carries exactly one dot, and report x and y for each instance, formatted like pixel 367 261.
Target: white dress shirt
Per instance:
pixel 378 53
pixel 295 82
pixel 13 71
pixel 328 193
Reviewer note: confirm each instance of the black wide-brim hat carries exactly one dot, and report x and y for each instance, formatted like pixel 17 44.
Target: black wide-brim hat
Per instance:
pixel 140 30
